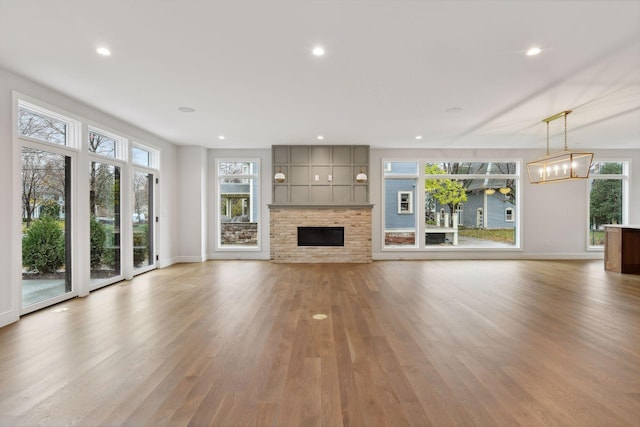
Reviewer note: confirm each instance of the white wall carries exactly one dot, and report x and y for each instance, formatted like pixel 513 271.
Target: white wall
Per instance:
pixel 192 200
pixel 554 217
pixel 9 175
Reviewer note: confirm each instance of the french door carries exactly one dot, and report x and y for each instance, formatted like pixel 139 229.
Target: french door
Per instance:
pixel 46 228
pixel 142 217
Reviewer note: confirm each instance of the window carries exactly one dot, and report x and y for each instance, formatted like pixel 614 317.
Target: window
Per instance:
pixel 508 214
pixel 143 156
pixel 405 202
pixel 460 212
pixel 400 219
pixel 41 127
pixel 607 198
pixel 103 144
pixel 39 124
pixel 239 207
pixel 480 195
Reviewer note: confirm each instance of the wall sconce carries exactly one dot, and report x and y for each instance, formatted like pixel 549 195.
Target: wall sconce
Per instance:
pixel 560 166
pixel 505 190
pixel 489 191
pixel 279 176
pixel 361 178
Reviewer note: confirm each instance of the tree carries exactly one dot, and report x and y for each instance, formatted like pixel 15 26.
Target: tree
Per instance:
pixel 97 238
pixel 606 197
pixel 140 193
pixel 41 127
pixel 43 177
pixel 446 191
pixel 101 176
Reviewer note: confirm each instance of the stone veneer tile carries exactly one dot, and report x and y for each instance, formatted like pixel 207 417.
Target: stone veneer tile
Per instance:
pixel 284 223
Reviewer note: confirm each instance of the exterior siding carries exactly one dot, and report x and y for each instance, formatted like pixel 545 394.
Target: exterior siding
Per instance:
pixel 393 219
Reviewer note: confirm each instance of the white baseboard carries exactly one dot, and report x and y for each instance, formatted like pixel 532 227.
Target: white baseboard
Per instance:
pixel 189 259
pixel 395 256
pixel 164 263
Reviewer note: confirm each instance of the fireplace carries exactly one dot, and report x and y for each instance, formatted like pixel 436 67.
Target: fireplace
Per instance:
pixel 320 236
pixel 320 233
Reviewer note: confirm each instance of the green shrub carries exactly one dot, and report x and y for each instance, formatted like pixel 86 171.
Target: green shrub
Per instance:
pixel 50 208
pixel 97 237
pixel 111 248
pixel 43 246
pixel 140 244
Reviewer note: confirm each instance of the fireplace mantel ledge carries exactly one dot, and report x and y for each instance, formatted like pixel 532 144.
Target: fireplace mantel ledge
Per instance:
pixel 319 206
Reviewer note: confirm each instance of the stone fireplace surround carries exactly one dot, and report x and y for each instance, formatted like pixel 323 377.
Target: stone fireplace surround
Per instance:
pixel 284 221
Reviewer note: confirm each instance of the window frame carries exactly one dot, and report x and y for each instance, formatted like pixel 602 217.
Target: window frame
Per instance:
pixel 154 156
pixel 408 202
pixel 625 177
pixel 516 177
pixel 509 214
pixel 73 141
pixel 120 148
pixel 255 175
pixel 387 174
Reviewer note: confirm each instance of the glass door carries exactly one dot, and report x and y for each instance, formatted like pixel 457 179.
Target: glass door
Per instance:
pixel 142 218
pixel 46 228
pixel 105 224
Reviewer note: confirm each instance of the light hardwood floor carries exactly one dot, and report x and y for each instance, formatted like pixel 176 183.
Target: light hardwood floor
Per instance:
pixel 228 343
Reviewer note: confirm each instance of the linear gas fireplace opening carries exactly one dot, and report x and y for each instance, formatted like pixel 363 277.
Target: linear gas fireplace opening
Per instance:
pixel 320 236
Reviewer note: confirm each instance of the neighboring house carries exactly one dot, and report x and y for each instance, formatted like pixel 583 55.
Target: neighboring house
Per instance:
pixel 235 201
pixel 483 210
pixel 400 195
pixel 480 210
pixel 37 210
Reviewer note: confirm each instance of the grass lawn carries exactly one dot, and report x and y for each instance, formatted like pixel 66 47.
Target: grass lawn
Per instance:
pixel 506 235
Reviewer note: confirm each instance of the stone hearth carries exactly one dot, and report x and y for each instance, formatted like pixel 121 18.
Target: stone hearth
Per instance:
pixel 284 222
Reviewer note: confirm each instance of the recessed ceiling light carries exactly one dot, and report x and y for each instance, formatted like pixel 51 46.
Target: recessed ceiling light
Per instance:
pixel 318 51
pixel 186 109
pixel 320 137
pixel 534 51
pixel 418 136
pixel 103 51
pixel 220 137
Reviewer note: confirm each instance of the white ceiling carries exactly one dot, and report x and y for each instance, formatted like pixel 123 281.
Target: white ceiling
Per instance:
pixel 391 72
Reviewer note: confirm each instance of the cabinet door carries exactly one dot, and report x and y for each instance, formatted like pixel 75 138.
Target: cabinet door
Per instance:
pixel 630 251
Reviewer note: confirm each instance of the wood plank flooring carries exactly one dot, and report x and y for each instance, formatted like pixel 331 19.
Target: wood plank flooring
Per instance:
pixel 232 343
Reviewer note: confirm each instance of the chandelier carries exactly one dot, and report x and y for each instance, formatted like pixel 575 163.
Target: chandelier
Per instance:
pixel 561 166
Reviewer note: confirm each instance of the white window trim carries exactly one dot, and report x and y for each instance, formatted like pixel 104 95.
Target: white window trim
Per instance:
pixel 409 211
pixel 121 144
pixel 625 177
pixel 385 165
pixel 509 214
pixel 255 175
pixel 154 156
pixel 74 125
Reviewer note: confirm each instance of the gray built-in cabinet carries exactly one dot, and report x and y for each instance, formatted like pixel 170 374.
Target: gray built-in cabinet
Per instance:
pixel 320 174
